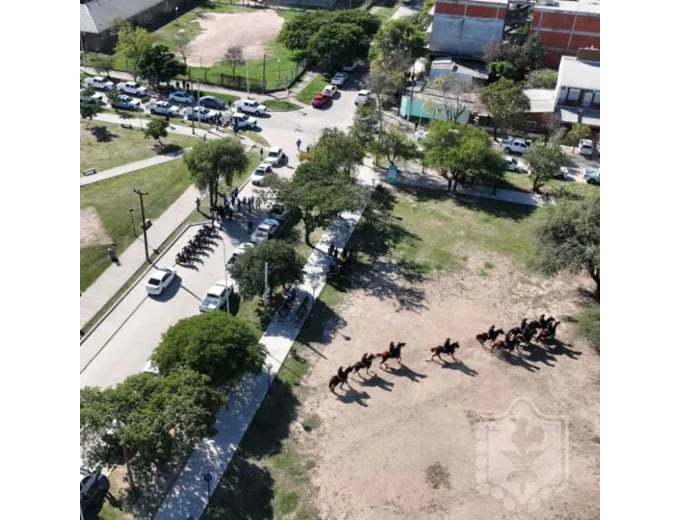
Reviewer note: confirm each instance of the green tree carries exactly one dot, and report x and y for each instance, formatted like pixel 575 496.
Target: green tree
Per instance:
pixel 146 419
pixel 158 64
pixel 156 129
pixel 337 44
pixel 367 118
pixel 458 150
pixel 133 42
pixel 210 161
pixel 234 57
pixel 216 344
pixel 337 150
pixel 103 63
pixel 297 32
pixel 541 78
pixel 89 110
pixel 531 55
pixel 394 145
pixel 456 95
pixel 506 103
pixel 502 69
pixel 404 33
pixel 113 95
pixel 368 21
pixel 319 192
pixel 577 132
pixel 283 263
pixel 544 161
pixel 568 238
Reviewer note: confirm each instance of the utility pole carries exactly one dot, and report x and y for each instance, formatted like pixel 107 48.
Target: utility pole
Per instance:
pixel 265 296
pixel 144 226
pixel 264 68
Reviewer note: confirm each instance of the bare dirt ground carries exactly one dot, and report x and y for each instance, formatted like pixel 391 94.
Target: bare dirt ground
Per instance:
pixel 219 31
pixel 403 444
pixel 92 230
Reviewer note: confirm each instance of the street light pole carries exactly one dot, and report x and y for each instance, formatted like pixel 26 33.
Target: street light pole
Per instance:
pixel 132 219
pixel 226 271
pixel 146 242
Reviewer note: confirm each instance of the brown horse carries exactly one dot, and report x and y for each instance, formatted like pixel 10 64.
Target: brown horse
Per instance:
pixel 339 379
pixel 446 348
pixel 394 353
pixel 365 363
pixel 485 336
pixel 502 345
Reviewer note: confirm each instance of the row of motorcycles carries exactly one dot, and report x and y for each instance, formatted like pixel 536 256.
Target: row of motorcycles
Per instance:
pixel 200 241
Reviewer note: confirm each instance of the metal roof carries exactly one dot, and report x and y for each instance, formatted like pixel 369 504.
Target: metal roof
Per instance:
pixel 96 16
pixel 578 73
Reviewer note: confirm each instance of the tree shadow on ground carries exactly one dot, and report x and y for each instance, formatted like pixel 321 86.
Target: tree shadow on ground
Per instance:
pixel 246 491
pixel 497 208
pixel 321 326
pixel 168 149
pixel 102 134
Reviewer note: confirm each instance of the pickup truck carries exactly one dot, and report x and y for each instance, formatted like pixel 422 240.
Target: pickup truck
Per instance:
pixel 98 82
pixel 514 145
pixel 250 106
pixel 242 121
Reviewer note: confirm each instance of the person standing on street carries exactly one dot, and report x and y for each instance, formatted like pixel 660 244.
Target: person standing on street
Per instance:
pixel 299 144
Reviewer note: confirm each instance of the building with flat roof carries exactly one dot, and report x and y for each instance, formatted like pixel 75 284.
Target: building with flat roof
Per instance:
pixel 577 93
pixel 467 27
pixel 564 26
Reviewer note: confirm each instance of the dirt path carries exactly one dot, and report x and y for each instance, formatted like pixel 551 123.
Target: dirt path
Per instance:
pixel 403 444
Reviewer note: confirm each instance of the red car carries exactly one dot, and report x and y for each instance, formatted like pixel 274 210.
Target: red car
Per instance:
pixel 320 100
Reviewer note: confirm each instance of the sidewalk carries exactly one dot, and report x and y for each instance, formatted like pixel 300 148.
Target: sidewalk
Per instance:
pixel 132 167
pixel 188 497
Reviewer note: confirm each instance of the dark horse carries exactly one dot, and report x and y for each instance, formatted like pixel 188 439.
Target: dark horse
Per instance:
pixel 393 353
pixel 365 363
pixel 339 379
pixel 507 345
pixel 491 335
pixel 447 348
pixel 548 332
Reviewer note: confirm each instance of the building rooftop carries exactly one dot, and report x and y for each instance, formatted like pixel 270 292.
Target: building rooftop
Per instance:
pixel 573 6
pixel 579 73
pixel 495 2
pixel 96 16
pixel 540 100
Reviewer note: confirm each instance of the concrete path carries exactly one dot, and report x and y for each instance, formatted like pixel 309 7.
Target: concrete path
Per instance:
pixel 132 167
pixel 188 496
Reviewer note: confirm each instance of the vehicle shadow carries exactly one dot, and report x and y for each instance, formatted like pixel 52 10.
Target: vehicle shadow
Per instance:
pixel 170 291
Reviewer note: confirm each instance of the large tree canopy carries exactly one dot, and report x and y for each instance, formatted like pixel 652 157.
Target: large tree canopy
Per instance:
pixel 283 263
pixel 459 150
pixel 338 150
pixel 506 103
pixel 221 346
pixel 568 238
pixel 158 64
pixel 147 420
pixel 405 34
pixel 132 42
pixel 210 161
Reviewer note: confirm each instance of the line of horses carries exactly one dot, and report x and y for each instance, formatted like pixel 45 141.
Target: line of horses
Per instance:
pixel 544 329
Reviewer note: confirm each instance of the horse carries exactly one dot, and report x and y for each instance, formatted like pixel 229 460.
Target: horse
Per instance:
pixel 365 363
pixel 534 325
pixel 485 336
pixel 512 332
pixel 509 346
pixel 523 324
pixel 541 321
pixel 552 327
pixel 447 348
pixel 339 379
pixel 394 352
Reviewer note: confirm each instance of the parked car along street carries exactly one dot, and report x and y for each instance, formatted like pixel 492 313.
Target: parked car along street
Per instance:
pixel 260 173
pixel 330 91
pixel 320 100
pixel 267 229
pixel 164 108
pixel 126 102
pixel 361 97
pixel 96 98
pixel 239 251
pixel 160 279
pixel 515 145
pixel 132 88
pixel 182 97
pixel 199 113
pixel 217 295
pixel 250 106
pixel 275 157
pixel 339 79
pixel 98 82
pixel 212 102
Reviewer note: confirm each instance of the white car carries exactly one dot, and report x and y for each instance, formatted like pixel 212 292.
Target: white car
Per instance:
pixel 164 108
pixel 266 230
pixel 159 280
pixel 243 121
pixel 362 97
pixel 239 251
pixel 592 176
pixel 182 97
pixel 275 157
pixel 127 103
pixel 339 79
pixel 98 82
pixel 512 165
pixel 199 113
pixel 585 147
pixel 330 91
pixel 217 296
pixel 97 98
pixel 260 173
pixel 250 106
pixel 132 88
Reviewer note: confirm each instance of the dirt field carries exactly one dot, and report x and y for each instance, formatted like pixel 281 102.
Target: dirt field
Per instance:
pixel 220 31
pixel 92 231
pixel 404 444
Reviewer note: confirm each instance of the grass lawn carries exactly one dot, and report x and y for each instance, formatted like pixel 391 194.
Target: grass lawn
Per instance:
pixel 279 105
pixel 105 145
pixel 522 182
pixel 315 86
pixel 112 198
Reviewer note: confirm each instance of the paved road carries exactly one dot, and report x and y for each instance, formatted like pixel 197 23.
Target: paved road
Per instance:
pixel 122 343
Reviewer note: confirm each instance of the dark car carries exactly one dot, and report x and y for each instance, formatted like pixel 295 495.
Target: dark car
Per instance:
pixel 93 490
pixel 212 102
pixel 320 100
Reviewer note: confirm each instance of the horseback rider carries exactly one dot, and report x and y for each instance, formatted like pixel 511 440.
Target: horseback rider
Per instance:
pixel 393 348
pixel 447 345
pixel 523 325
pixel 491 331
pixel 541 321
pixel 341 373
pixel 364 359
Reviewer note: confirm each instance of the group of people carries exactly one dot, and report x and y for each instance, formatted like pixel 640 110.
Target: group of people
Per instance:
pixel 231 202
pixel 347 254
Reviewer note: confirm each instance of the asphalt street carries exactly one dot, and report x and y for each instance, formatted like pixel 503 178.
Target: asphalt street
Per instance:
pixel 122 343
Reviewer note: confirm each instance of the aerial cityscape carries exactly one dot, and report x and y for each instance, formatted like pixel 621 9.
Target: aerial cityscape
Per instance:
pixel 340 259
